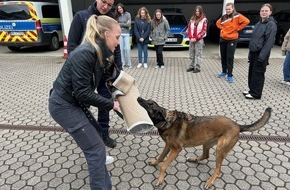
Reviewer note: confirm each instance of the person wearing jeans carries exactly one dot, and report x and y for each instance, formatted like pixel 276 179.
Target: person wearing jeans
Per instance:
pixel 142 32
pixel 286 66
pixel 230 24
pixel 124 19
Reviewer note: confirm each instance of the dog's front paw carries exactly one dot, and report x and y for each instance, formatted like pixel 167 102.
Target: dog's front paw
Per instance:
pixel 159 182
pixel 153 162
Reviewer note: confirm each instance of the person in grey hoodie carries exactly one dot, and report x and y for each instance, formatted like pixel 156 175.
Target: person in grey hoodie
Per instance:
pixel 159 31
pixel 260 46
pixel 124 19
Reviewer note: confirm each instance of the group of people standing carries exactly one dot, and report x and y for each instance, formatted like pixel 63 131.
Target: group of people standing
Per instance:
pixel 98 44
pixel 157 29
pixel 260 46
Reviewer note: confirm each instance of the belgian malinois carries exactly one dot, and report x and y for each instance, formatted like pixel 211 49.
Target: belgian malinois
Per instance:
pixel 179 129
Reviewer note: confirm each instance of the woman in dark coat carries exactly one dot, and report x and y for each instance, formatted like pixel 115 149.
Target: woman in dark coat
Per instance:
pixel 260 46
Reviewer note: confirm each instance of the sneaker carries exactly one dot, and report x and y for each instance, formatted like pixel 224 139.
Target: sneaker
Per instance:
pixel 249 96
pixel 230 79
pixel 285 82
pixel 245 93
pixel 190 69
pixel 222 75
pixel 145 65
pixel 157 67
pixel 139 65
pixel 109 142
pixel 130 67
pixel 196 71
pixel 109 160
pixel 162 67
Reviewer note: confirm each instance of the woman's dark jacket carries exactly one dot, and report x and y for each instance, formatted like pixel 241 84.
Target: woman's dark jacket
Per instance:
pixel 142 30
pixel 263 38
pixel 78 28
pixel 81 74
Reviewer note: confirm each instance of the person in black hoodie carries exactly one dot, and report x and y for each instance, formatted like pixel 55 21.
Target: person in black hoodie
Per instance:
pixel 260 46
pixel 75 37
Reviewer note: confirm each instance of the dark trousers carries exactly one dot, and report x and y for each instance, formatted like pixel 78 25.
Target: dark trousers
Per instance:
pixel 103 115
pixel 159 55
pixel 256 75
pixel 72 118
pixel 227 50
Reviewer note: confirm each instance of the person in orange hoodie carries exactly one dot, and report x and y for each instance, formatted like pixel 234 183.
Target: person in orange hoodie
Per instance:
pixel 230 24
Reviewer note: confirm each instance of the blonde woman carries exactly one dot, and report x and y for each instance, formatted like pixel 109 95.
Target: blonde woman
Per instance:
pixel 74 92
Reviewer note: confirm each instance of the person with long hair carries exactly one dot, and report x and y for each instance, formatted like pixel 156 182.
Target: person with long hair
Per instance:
pixel 124 19
pixel 75 37
pixel 74 92
pixel 196 31
pixel 261 43
pixel 142 32
pixel 230 24
pixel 159 32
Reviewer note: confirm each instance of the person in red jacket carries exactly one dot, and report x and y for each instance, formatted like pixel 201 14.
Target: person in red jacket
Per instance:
pixel 230 24
pixel 196 31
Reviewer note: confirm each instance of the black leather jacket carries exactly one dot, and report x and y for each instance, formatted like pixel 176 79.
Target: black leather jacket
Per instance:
pixel 81 74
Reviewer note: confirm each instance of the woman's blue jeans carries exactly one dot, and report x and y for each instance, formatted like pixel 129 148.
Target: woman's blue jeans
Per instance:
pixel 125 49
pixel 286 68
pixel 142 48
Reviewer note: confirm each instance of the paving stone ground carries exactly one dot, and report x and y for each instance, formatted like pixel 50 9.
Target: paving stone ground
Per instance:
pixel 46 159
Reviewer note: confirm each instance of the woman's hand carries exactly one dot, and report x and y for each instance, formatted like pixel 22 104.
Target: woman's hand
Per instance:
pixel 116 105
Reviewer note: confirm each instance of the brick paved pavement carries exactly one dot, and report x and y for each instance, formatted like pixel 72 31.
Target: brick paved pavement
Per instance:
pixel 33 156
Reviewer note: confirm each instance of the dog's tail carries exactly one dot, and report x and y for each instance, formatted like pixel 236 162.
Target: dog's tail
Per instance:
pixel 258 124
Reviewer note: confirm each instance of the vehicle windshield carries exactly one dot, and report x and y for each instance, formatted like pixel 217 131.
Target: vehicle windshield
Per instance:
pixel 13 12
pixel 176 19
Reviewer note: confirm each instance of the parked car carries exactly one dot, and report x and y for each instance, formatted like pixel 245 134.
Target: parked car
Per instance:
pixel 244 35
pixel 177 37
pixel 283 25
pixel 29 24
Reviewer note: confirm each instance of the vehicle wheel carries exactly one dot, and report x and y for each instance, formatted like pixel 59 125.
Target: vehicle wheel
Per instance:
pixel 279 39
pixel 14 48
pixel 54 44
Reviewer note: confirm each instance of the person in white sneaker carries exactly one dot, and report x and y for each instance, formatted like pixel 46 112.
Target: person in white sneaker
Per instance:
pixel 159 32
pixel 74 92
pixel 124 19
pixel 142 32
pixel 261 43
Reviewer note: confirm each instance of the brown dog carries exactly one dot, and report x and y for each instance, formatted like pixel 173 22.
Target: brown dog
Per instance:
pixel 179 130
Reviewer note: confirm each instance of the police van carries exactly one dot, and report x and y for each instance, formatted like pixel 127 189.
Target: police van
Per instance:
pixel 28 24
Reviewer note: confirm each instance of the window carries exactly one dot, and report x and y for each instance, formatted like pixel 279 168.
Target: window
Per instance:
pixel 50 11
pixel 12 12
